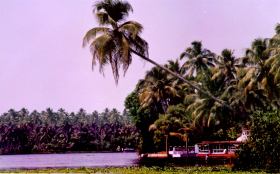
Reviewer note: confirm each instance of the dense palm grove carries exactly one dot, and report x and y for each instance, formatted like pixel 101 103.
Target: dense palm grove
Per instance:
pixel 200 95
pixel 250 83
pixel 168 106
pixel 49 131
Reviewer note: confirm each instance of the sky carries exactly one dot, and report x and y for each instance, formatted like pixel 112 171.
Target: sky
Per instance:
pixel 43 63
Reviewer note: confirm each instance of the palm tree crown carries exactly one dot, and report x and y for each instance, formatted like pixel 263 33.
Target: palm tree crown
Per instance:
pixel 199 59
pixel 113 42
pixel 112 10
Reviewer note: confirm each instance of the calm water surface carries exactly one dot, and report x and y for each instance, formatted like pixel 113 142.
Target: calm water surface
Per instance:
pixel 69 160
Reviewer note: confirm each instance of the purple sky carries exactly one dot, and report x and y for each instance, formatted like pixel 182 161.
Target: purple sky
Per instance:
pixel 43 64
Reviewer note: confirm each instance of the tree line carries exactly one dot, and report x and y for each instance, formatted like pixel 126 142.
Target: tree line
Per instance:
pixel 51 132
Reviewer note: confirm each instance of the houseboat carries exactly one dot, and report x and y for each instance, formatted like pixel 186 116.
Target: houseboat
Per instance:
pixel 207 150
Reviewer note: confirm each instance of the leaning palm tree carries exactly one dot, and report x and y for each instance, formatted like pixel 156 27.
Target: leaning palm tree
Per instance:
pixel 116 39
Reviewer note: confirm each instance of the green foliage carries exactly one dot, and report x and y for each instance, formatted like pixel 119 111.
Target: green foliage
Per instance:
pixel 174 124
pixel 138 170
pixel 143 118
pixel 49 131
pixel 262 151
pixel 245 84
pixel 213 94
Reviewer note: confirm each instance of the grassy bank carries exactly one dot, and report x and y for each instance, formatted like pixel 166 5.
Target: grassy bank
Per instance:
pixel 136 170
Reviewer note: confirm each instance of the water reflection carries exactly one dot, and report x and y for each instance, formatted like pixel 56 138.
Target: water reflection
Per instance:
pixel 69 160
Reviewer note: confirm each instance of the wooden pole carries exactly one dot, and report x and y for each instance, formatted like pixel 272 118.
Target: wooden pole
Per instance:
pixel 166 144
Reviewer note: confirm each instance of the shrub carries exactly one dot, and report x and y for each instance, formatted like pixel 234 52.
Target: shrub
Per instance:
pixel 262 151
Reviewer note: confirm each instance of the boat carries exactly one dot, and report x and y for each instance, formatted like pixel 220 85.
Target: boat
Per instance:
pixel 206 150
pixel 221 149
pixel 129 150
pixel 157 155
pixel 217 149
pixel 181 152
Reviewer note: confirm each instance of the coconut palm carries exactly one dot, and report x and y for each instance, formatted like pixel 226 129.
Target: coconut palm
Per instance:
pixel 274 51
pixel 256 55
pixel 157 90
pixel 260 81
pixel 252 95
pixel 272 64
pixel 251 87
pixel 255 71
pixel 116 39
pixel 226 67
pixel 113 42
pixel 204 111
pixel 175 67
pixel 225 75
pixel 198 60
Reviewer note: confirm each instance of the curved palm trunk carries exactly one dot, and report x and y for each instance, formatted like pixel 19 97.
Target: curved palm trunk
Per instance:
pixel 182 78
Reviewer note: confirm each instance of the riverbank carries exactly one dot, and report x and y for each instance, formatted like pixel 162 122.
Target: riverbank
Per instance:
pixel 137 170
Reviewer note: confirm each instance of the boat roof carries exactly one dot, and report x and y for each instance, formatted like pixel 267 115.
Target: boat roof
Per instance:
pixel 220 142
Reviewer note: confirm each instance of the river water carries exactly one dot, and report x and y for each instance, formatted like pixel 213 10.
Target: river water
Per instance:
pixel 68 160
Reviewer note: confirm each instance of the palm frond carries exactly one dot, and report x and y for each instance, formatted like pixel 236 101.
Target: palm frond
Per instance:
pixel 116 9
pixel 103 18
pixel 277 76
pixel 277 29
pixel 132 28
pixel 211 118
pixel 248 77
pixel 139 45
pixel 105 50
pixel 92 33
pixel 124 56
pixel 273 63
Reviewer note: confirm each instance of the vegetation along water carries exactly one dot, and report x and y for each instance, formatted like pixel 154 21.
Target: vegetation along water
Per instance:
pixel 139 170
pixel 52 132
pixel 201 95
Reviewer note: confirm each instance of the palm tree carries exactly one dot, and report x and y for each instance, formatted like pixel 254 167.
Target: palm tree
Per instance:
pixel 226 67
pixel 157 90
pixel 175 67
pixel 274 51
pixel 256 55
pixel 260 81
pixel 252 85
pixel 198 60
pixel 272 83
pixel 225 75
pixel 115 40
